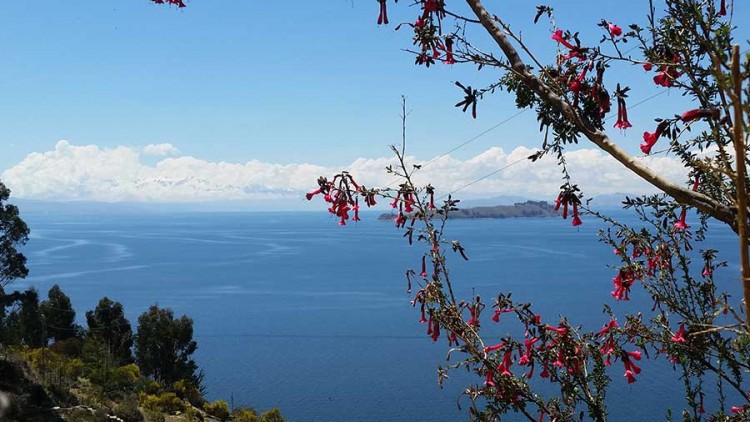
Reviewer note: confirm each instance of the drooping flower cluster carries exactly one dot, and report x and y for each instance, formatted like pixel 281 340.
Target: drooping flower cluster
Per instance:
pixel 569 196
pixel 342 195
pixel 622 110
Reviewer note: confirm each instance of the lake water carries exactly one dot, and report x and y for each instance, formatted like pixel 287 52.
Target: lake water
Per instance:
pixel 292 310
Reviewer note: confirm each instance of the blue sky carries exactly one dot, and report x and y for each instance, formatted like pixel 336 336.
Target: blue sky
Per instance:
pixel 293 82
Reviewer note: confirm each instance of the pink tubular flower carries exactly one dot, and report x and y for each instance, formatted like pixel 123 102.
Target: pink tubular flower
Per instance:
pixel 622 115
pixel 666 77
pixel 649 139
pixel 423 274
pixel 738 409
pixel 435 330
pixel 700 113
pixel 614 30
pixel 629 376
pixel 679 336
pixel 576 218
pixel 723 8
pixel 681 224
pixel 558 330
pixel 636 354
pixel 489 379
pixel 408 203
pixel 610 325
pixel 558 36
pixel 449 51
pixel 488 349
pixel 383 16
pixel 356 211
pixel 310 195
pixel 498 311
pixel 576 84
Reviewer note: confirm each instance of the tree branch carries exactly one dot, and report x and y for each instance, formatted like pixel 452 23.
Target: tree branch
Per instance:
pixel 598 137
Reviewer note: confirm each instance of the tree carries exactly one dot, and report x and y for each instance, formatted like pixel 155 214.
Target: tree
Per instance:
pixel 164 346
pixel 59 315
pixel 108 324
pixel 32 326
pixel 13 233
pixel 703 331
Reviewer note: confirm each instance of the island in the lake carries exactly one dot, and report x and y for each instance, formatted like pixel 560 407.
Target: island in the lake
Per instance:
pixel 518 210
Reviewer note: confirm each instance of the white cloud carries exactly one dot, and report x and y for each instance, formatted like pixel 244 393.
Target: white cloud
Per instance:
pixel 161 150
pixel 72 172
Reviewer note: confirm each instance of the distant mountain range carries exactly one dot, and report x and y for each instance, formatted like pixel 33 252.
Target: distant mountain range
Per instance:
pixel 519 210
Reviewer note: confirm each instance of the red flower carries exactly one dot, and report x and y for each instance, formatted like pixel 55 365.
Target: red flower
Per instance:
pixel 649 139
pixel 666 77
pixel 623 281
pixel 610 325
pixel 400 220
pixel 489 380
pixel 723 8
pixel 737 409
pixel 435 330
pixel 558 36
pixel 648 66
pixel 700 113
pixel 681 224
pixel 310 195
pixel 383 16
pixel 408 202
pixel 614 30
pixel 576 218
pixel 498 311
pixel 636 354
pixel 356 211
pixel 629 376
pixel 576 84
pixel 622 115
pixel 488 349
pixel 558 201
pixel 559 330
pixel 449 51
pixel 423 274
pixel 679 336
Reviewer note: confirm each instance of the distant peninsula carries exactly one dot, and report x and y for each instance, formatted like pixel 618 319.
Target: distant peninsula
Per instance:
pixel 518 210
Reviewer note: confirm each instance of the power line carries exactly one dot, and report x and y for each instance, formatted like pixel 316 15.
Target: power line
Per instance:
pixel 475 137
pixel 494 172
pixel 486 176
pixel 467 142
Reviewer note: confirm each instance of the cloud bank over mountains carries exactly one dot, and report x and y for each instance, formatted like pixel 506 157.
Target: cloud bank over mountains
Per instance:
pixel 91 173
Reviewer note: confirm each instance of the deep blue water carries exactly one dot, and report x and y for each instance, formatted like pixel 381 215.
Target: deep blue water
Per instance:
pixel 292 310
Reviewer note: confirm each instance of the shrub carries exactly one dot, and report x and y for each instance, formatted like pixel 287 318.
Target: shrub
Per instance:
pixel 245 415
pixel 273 415
pixel 218 409
pixel 186 390
pixel 165 402
pixel 128 411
